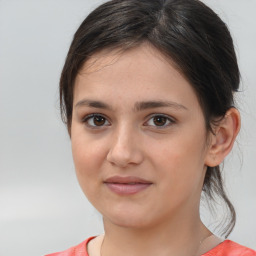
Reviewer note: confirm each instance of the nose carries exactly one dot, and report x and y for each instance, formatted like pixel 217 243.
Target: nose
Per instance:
pixel 125 148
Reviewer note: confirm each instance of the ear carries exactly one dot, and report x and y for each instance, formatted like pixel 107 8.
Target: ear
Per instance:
pixel 221 142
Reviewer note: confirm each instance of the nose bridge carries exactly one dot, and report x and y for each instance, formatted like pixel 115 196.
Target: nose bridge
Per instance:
pixel 125 148
pixel 124 135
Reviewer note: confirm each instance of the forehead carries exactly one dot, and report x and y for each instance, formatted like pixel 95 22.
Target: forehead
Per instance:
pixel 141 73
pixel 107 57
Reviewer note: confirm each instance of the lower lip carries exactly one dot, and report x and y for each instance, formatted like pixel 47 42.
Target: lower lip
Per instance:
pixel 127 189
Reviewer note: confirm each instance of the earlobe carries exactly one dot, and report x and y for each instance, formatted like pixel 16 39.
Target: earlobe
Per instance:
pixel 223 140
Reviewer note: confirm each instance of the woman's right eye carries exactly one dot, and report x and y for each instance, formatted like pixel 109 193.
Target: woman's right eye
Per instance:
pixel 96 120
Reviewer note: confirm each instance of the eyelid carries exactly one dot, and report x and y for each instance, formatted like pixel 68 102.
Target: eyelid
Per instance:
pixel 89 116
pixel 148 118
pixel 169 118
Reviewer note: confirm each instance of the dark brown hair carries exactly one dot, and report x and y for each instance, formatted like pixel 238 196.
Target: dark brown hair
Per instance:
pixel 187 32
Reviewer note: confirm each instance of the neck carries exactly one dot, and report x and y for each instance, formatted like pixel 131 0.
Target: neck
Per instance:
pixel 178 236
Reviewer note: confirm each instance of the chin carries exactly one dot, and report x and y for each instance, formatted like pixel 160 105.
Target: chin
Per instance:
pixel 133 224
pixel 130 220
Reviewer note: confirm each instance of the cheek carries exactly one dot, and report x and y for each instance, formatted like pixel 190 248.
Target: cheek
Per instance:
pixel 180 152
pixel 180 162
pixel 86 161
pixel 88 157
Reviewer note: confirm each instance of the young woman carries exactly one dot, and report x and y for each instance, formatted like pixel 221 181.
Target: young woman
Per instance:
pixel 147 96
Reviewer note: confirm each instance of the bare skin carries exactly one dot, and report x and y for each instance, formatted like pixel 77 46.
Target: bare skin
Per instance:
pixel 135 115
pixel 95 245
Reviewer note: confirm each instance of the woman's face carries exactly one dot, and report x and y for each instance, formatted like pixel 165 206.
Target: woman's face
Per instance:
pixel 138 138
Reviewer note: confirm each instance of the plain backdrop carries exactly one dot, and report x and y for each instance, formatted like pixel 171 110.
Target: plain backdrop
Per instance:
pixel 42 208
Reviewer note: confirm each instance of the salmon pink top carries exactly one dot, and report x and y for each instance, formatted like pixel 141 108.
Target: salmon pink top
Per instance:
pixel 226 248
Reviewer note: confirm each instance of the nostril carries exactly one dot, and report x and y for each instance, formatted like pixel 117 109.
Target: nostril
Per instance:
pixel 124 156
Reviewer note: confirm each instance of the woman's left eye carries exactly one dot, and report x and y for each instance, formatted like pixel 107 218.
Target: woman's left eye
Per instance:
pixel 159 121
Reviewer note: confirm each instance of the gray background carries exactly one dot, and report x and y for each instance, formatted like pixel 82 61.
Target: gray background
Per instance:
pixel 42 208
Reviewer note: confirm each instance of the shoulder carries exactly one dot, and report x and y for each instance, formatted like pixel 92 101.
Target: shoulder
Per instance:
pixel 230 248
pixel 78 250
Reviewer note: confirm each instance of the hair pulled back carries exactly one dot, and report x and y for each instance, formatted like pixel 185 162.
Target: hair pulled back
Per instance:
pixel 187 32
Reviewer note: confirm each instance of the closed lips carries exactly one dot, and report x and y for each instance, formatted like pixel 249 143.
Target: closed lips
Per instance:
pixel 126 186
pixel 126 180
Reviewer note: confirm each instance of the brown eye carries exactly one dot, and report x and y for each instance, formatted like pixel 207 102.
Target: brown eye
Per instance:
pixel 95 121
pixel 99 120
pixel 159 120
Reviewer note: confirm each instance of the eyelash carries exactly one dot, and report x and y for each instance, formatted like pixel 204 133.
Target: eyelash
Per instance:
pixel 170 121
pixel 87 118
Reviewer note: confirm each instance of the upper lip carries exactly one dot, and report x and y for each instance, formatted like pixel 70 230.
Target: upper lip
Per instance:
pixel 127 179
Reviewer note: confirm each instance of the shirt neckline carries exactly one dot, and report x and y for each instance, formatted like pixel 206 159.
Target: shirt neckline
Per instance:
pixel 213 251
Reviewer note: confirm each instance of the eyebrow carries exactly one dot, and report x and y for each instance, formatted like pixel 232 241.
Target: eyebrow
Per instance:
pixel 93 104
pixel 138 106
